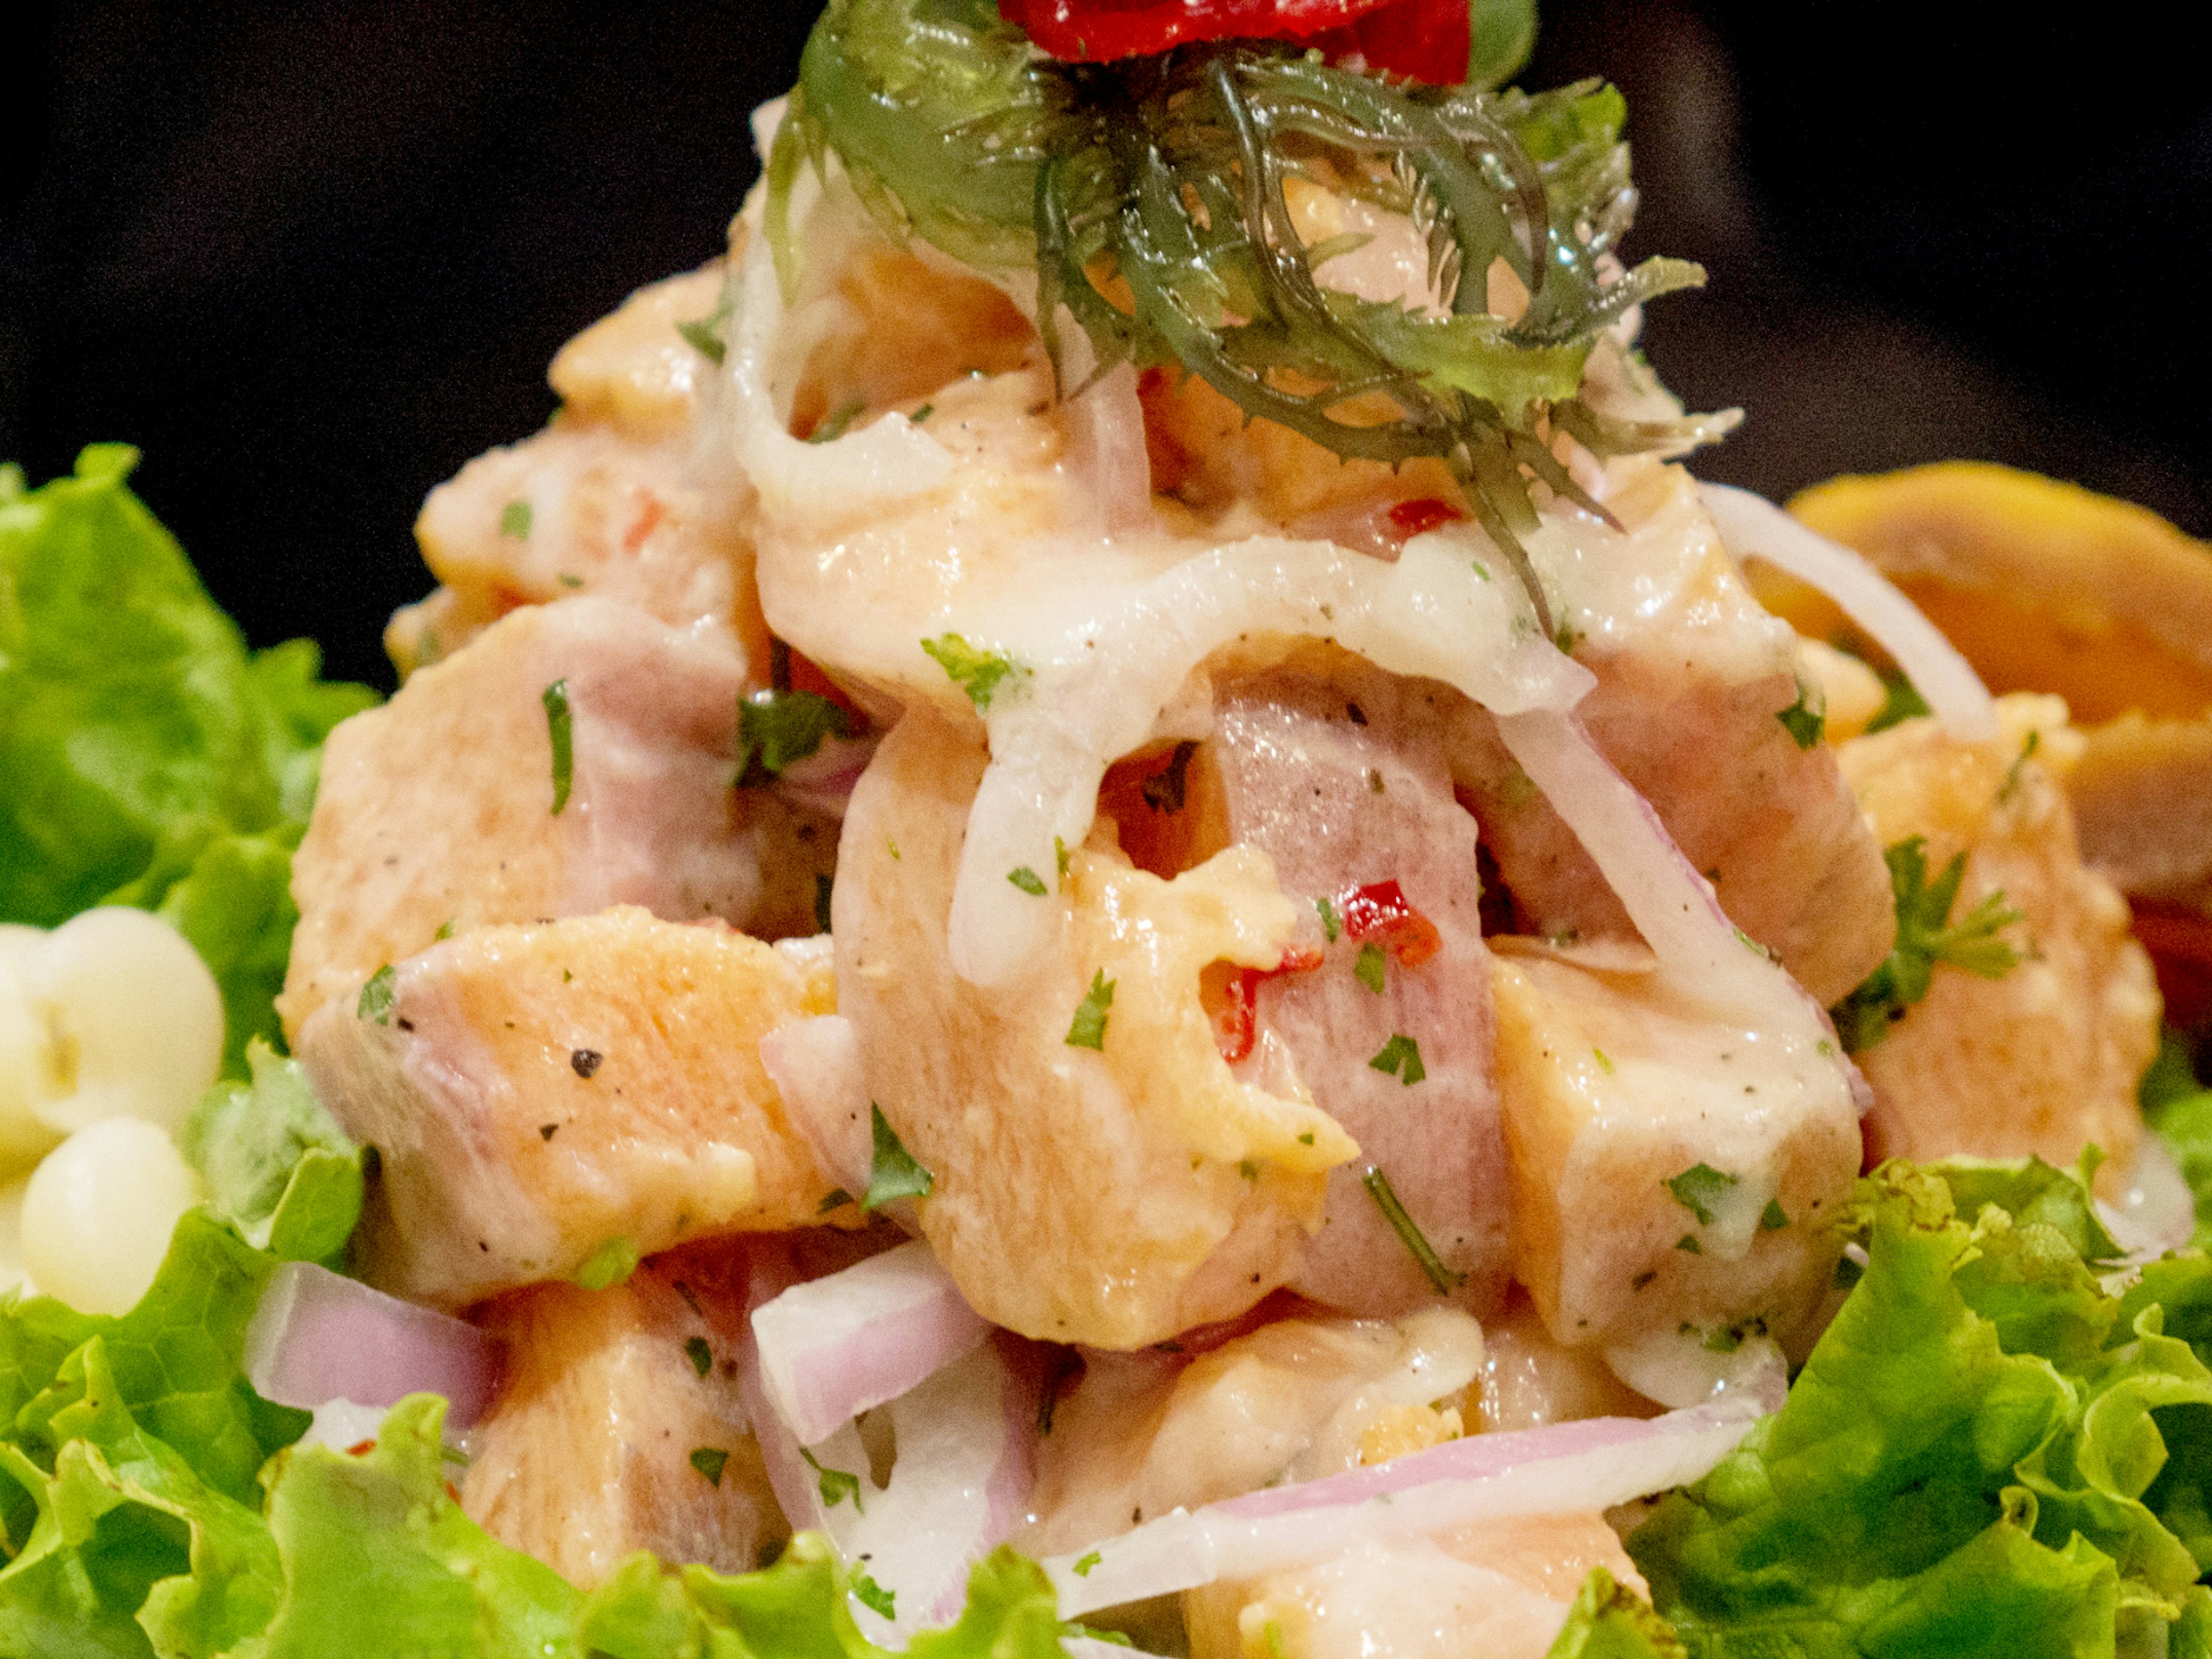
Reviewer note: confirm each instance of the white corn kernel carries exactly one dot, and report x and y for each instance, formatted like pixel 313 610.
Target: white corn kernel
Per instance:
pixel 98 1214
pixel 23 1138
pixel 133 1020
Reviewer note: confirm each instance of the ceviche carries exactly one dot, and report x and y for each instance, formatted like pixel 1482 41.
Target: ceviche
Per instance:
pixel 1100 911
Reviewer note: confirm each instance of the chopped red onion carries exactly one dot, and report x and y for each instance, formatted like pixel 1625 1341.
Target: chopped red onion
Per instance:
pixel 1754 527
pixel 319 1336
pixel 815 1065
pixel 1591 1464
pixel 832 1348
pixel 825 780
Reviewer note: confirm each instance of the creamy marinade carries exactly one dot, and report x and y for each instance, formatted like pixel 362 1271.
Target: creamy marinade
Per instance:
pixel 1101 898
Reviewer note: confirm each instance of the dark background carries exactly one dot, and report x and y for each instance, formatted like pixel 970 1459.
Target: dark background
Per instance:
pixel 311 258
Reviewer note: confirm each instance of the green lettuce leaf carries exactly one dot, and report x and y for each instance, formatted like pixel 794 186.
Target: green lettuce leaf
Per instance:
pixel 152 758
pixel 2179 1110
pixel 276 1163
pixel 1608 1620
pixel 1986 1453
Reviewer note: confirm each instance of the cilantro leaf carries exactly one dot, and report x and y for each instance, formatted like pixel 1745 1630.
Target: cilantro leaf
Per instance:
pixel 611 1263
pixel 1368 969
pixel 1088 1029
pixel 1903 702
pixel 1925 936
pixel 1806 720
pixel 1028 880
pixel 777 729
pixel 701 1356
pixel 1402 1058
pixel 710 1462
pixel 561 729
pixel 515 520
pixel 894 1173
pixel 837 1485
pixel 978 672
pixel 1415 1241
pixel 870 1595
pixel 1699 1188
pixel 378 992
pixel 704 334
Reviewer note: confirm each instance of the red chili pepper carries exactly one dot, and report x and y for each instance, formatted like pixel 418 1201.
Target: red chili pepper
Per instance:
pixel 1426 39
pixel 1380 910
pixel 1236 1021
pixel 1411 518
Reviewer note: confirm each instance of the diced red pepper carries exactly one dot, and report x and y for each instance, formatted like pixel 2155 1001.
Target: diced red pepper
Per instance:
pixel 1411 518
pixel 1426 39
pixel 1236 1015
pixel 1380 911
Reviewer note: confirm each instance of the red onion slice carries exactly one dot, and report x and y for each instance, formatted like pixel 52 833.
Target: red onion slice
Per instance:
pixel 1592 1464
pixel 815 1065
pixel 825 780
pixel 319 1336
pixel 834 1347
pixel 1754 528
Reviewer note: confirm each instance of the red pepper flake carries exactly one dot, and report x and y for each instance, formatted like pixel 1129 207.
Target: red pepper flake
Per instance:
pixel 362 1448
pixel 1380 911
pixel 1418 518
pixel 1235 1009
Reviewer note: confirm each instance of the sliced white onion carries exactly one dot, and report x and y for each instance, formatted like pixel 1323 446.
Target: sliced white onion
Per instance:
pixel 1754 527
pixel 319 1336
pixel 1592 1464
pixel 815 1065
pixel 834 1347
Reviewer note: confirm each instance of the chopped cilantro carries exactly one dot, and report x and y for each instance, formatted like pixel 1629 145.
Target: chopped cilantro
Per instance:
pixel 704 334
pixel 893 1172
pixel 1727 1339
pixel 377 996
pixel 568 580
pixel 710 1461
pixel 1773 1219
pixel 1401 1057
pixel 1902 703
pixel 1604 1060
pixel 976 671
pixel 834 424
pixel 1368 971
pixel 612 1263
pixel 836 1198
pixel 701 1356
pixel 922 414
pixel 825 889
pixel 1386 1199
pixel 870 1595
pixel 837 1485
pixel 562 730
pixel 1688 1241
pixel 515 520
pixel 1249 1168
pixel 1330 926
pixel 1088 1029
pixel 1806 720
pixel 1700 1189
pixel 2012 777
pixel 777 729
pixel 1060 855
pixel 1028 880
pixel 1085 1562
pixel 1925 936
